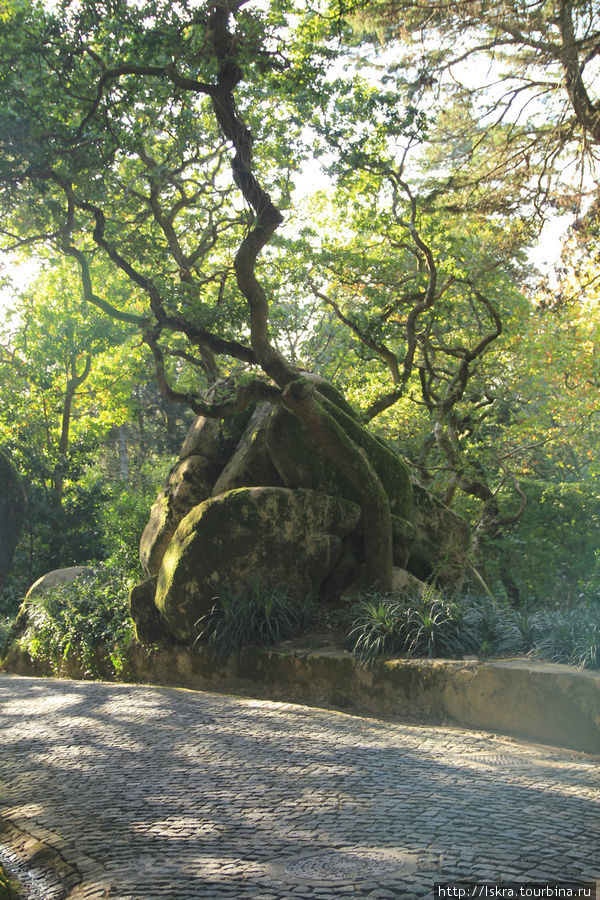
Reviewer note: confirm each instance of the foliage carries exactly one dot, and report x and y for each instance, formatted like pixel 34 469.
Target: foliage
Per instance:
pixel 9 888
pixel 551 554
pixel 87 620
pixel 428 625
pixel 100 521
pixel 568 637
pixel 419 625
pixel 256 618
pixel 511 86
pixel 56 356
pixel 149 157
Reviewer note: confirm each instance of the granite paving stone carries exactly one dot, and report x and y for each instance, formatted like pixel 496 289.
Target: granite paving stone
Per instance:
pixel 146 792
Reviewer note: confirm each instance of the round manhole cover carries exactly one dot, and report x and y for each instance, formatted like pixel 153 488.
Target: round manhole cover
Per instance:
pixel 353 864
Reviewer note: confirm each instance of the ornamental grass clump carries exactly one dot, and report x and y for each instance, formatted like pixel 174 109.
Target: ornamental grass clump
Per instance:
pixel 571 636
pixel 431 625
pixel 489 627
pixel 409 625
pixel 257 617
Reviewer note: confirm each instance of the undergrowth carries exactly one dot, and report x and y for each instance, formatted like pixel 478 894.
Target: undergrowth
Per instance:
pixel 257 617
pixel 433 625
pixel 9 888
pixel 88 620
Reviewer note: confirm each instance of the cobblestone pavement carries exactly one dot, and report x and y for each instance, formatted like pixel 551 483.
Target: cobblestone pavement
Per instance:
pixel 152 793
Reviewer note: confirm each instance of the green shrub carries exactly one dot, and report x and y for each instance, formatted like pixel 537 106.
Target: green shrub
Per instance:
pixel 551 554
pixel 489 627
pixel 256 618
pixel 571 637
pixel 82 619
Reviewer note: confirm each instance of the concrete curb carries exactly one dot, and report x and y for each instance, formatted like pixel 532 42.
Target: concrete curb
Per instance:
pixel 549 703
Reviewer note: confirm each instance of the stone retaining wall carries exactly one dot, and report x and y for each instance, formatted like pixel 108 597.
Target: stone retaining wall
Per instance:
pixel 549 703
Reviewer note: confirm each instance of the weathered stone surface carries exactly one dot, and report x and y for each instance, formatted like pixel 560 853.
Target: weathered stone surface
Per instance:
pixel 12 513
pixel 270 448
pixel 202 439
pixel 213 439
pixel 278 537
pixel 301 464
pixel 250 465
pixel 402 581
pixel 404 534
pixel 330 392
pixel 441 542
pixel 150 627
pixel 56 578
pixel 189 483
pixel 206 451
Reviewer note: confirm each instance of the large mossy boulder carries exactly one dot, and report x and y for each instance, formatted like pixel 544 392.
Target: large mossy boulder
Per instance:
pixel 12 513
pixel 206 451
pixel 254 500
pixel 441 541
pixel 301 464
pixel 287 539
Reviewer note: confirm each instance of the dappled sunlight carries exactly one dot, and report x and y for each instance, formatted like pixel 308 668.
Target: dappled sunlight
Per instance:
pixel 218 788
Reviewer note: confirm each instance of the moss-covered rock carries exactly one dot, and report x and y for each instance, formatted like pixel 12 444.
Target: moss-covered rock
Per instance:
pixel 189 483
pixel 254 499
pixel 12 513
pixel 441 542
pixel 215 440
pixel 205 453
pixel 404 534
pixel 150 627
pixel 274 536
pixel 250 465
pixel 301 464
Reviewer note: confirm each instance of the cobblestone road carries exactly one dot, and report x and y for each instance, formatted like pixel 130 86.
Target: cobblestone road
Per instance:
pixel 159 793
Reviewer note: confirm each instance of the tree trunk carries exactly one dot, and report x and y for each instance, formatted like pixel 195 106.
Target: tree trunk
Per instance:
pixel 63 446
pixel 123 456
pixel 73 384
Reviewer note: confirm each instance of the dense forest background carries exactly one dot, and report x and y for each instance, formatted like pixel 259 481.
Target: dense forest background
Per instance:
pixel 213 197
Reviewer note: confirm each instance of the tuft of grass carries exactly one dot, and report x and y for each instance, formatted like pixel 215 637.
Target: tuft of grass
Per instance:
pixel 377 628
pixel 411 625
pixel 432 625
pixel 257 617
pixel 489 628
pixel 568 636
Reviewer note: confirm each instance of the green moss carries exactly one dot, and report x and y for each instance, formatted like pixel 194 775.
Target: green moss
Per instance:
pixel 391 468
pixel 302 465
pixel 284 539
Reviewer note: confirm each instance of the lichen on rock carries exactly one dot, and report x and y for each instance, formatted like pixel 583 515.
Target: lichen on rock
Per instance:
pixel 253 500
pixel 285 539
